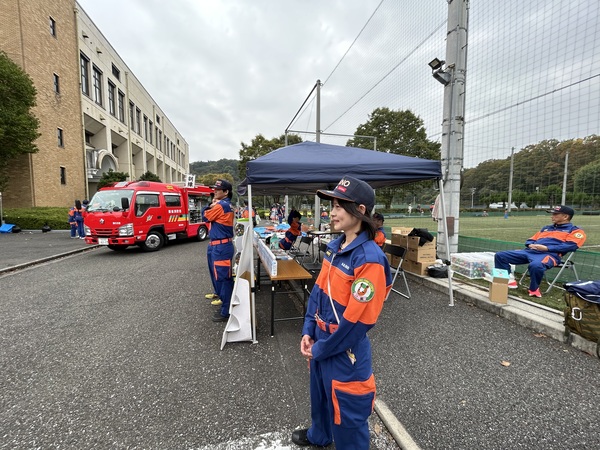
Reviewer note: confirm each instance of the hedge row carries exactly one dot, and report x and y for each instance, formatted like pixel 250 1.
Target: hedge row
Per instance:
pixel 35 218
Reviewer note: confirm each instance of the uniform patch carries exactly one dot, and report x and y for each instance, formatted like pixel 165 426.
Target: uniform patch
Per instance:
pixel 578 235
pixel 363 290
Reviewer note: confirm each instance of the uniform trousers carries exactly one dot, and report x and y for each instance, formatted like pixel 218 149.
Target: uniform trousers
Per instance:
pixel 539 262
pixel 219 265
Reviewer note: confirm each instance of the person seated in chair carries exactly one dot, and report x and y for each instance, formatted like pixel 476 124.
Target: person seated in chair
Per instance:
pixel 293 232
pixel 380 236
pixel 544 249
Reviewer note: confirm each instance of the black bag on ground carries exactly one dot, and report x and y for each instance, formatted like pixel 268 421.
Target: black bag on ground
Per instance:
pixel 582 314
pixel 438 271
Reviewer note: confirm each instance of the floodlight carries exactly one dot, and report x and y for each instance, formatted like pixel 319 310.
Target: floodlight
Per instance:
pixel 436 64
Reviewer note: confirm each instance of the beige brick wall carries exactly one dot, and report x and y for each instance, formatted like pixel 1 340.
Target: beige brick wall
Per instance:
pixel 28 41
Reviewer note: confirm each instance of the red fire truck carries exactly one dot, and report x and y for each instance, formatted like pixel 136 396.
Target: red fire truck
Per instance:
pixel 145 213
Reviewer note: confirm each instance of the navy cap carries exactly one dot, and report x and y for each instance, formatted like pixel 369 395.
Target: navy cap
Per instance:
pixel 223 185
pixel 353 190
pixel 562 209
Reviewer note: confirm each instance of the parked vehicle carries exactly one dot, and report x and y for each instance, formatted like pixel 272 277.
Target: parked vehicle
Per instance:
pixel 145 213
pixel 502 206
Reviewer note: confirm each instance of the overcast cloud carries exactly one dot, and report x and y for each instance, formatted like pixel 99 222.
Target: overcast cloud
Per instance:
pixel 225 71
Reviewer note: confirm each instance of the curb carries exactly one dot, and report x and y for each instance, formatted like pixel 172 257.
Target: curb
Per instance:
pixel 538 318
pixel 46 259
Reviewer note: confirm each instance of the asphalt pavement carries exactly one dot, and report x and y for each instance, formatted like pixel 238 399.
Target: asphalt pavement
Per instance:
pixel 475 375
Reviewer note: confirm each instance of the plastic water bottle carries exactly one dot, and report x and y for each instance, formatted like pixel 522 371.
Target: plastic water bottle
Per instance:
pixel 274 242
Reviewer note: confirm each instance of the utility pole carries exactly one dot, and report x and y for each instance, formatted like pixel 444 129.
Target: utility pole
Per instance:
pixel 453 121
pixel 564 190
pixel 510 177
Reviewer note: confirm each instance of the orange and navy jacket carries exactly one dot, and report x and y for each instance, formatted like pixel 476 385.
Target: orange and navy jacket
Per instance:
pixel 380 237
pixel 291 234
pixel 559 239
pixel 359 277
pixel 221 218
pixel 75 214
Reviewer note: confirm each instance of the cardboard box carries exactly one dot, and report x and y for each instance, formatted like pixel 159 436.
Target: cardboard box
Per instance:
pixel 419 268
pixel 499 286
pixel 420 254
pixel 413 242
pixel 499 293
pixel 399 235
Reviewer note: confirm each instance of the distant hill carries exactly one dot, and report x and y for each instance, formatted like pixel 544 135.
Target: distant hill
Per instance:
pixel 230 166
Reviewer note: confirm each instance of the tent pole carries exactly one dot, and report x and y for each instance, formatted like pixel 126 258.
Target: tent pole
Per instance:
pixel 447 242
pixel 252 284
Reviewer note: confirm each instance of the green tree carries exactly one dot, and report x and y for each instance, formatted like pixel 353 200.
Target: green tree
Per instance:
pixel 112 177
pixel 18 125
pixel 261 146
pixel 401 133
pixel 149 176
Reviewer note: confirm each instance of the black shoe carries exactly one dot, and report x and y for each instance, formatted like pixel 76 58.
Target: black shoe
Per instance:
pixel 219 318
pixel 300 437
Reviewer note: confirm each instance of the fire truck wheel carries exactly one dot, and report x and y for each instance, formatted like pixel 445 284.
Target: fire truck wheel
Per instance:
pixel 202 233
pixel 154 241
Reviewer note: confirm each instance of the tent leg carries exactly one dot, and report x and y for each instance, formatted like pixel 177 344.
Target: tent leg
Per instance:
pixel 252 284
pixel 445 225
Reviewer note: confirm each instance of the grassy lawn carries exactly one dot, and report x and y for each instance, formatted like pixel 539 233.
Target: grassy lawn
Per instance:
pixel 514 229
pixel 517 229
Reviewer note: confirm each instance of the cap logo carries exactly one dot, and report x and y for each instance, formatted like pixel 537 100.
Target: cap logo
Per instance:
pixel 344 182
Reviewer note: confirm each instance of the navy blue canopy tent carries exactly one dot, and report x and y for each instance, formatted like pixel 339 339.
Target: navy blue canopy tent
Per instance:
pixel 303 168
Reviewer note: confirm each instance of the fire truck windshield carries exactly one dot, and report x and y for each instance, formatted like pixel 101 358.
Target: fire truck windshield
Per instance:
pixel 109 200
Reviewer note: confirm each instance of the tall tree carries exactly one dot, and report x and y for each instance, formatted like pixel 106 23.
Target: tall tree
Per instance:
pixel 111 177
pixel 18 125
pixel 261 146
pixel 401 133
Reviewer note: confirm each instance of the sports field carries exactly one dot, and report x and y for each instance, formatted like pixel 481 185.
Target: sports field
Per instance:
pixel 495 233
pixel 517 228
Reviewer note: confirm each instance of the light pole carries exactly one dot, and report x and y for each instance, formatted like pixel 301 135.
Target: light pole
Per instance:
pixel 472 194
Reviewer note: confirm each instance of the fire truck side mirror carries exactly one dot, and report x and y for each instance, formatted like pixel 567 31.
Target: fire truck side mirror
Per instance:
pixel 124 203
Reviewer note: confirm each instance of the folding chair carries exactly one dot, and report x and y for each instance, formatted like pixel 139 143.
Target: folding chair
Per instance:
pixel 399 252
pixel 314 267
pixel 566 263
pixel 303 249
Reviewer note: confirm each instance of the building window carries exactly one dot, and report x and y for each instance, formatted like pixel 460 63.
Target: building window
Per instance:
pixel 60 138
pixel 145 127
pixel 121 107
pixel 63 175
pixel 85 74
pixel 97 85
pixel 150 131
pixel 138 118
pixel 116 72
pixel 132 115
pixel 56 84
pixel 157 120
pixel 52 27
pixel 111 98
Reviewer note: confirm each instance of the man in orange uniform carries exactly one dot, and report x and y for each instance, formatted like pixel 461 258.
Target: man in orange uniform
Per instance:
pixel 544 249
pixel 220 249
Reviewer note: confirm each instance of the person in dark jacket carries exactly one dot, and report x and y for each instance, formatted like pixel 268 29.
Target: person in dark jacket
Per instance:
pixel 344 305
pixel 544 249
pixel 76 215
pixel 293 232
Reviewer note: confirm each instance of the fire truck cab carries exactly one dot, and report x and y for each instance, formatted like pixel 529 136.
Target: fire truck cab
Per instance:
pixel 145 213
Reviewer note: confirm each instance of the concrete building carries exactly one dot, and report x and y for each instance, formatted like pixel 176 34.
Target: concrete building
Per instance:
pixel 94 113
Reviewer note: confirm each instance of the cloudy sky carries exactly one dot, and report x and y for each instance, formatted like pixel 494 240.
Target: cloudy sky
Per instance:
pixel 226 70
